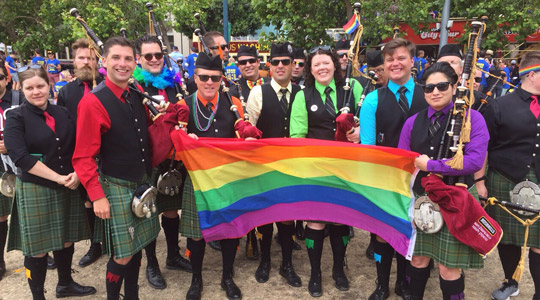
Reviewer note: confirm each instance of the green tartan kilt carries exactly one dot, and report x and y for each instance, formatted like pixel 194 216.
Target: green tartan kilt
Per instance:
pixel 189 221
pixel 124 234
pixel 165 202
pixel 444 248
pixel 43 219
pixel 5 205
pixel 513 232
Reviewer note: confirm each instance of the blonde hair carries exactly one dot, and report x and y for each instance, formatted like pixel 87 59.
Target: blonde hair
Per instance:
pixel 64 74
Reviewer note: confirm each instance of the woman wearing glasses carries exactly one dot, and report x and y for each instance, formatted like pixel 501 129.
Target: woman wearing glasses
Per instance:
pixel 48 214
pixel 422 133
pixel 313 115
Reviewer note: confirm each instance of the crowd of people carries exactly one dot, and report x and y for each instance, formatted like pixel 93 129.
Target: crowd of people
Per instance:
pixel 79 162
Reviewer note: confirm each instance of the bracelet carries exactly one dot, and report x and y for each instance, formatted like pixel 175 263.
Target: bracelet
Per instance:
pixel 480 179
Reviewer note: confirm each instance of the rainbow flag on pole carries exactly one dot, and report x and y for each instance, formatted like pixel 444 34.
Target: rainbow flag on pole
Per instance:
pixel 239 185
pixel 352 25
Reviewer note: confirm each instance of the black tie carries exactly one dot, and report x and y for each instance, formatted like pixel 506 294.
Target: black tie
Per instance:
pixel 328 103
pixel 403 103
pixel 209 105
pixel 283 100
pixel 436 125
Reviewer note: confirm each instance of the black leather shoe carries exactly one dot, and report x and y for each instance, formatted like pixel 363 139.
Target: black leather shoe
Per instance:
pixel 153 274
pixel 51 264
pixel 263 272
pixel 216 245
pixel 2 269
pixel 231 289
pixel 74 290
pixel 402 289
pixel 91 256
pixel 195 289
pixel 300 230
pixel 178 263
pixel 287 271
pixel 380 293
pixel 315 285
pixel 370 251
pixel 341 281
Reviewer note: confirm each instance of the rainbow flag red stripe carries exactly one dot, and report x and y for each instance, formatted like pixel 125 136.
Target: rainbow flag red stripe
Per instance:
pixel 239 185
pixel 352 25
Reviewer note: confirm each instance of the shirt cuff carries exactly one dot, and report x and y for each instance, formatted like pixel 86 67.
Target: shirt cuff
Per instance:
pixel 95 192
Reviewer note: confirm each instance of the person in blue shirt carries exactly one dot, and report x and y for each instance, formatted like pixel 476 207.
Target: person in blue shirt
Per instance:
pixel 231 70
pixel 189 63
pixel 382 116
pixel 506 70
pixel 12 66
pixel 53 68
pixel 484 65
pixel 175 55
pixel 38 60
pixel 420 65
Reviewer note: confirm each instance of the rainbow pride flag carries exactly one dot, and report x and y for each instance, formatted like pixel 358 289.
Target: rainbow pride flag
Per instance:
pixel 352 25
pixel 239 185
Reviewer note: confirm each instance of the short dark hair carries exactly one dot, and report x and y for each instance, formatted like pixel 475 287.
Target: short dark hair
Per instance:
pixel 441 67
pixel 31 72
pixel 309 79
pixel 529 59
pixel 209 37
pixel 79 44
pixel 391 46
pixel 117 41
pixel 146 39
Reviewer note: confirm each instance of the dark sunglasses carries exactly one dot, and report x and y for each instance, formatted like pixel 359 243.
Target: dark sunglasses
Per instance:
pixel 441 86
pixel 25 68
pixel 322 48
pixel 299 64
pixel 148 56
pixel 342 55
pixel 245 61
pixel 222 47
pixel 285 62
pixel 214 78
pixel 2 77
pixel 477 79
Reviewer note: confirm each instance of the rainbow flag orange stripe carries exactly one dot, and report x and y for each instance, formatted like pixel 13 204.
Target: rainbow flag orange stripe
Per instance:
pixel 239 185
pixel 352 25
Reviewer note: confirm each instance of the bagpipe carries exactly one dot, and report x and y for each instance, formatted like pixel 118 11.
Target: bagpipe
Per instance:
pixel 144 197
pixel 243 128
pixel 448 197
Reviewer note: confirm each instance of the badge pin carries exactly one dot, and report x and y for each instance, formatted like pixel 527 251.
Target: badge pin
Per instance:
pixel 131 231
pixel 314 107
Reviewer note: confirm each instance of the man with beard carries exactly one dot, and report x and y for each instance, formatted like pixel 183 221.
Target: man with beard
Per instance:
pixel 248 62
pixel 157 80
pixel 86 71
pixel 298 67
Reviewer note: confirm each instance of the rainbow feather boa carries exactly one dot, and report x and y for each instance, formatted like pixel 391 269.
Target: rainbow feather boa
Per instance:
pixel 166 78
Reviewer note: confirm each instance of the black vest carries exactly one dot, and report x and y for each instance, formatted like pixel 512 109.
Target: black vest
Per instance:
pixel 516 140
pixel 125 153
pixel 170 91
pixel 390 119
pixel 223 123
pixel 273 122
pixel 321 125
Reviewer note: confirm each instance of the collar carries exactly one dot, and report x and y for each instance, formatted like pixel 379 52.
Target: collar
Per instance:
pixel 525 96
pixel 276 87
pixel 445 110
pixel 204 101
pixel 117 91
pixel 321 87
pixel 36 109
pixel 394 86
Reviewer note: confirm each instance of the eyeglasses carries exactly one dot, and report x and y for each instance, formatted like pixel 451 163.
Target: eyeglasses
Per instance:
pixel 2 77
pixel 285 62
pixel 322 48
pixel 25 68
pixel 204 78
pixel 299 64
pixel 378 71
pixel 342 55
pixel 157 55
pixel 222 47
pixel 441 86
pixel 477 79
pixel 245 61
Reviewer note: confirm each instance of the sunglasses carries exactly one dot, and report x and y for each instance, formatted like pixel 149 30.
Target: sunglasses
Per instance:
pixel 342 55
pixel 245 61
pixel 214 78
pixel 148 56
pixel 441 86
pixel 477 79
pixel 285 62
pixel 2 77
pixel 299 64
pixel 222 47
pixel 322 48
pixel 26 68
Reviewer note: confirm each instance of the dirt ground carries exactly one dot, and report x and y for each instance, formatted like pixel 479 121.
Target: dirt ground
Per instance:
pixel 361 273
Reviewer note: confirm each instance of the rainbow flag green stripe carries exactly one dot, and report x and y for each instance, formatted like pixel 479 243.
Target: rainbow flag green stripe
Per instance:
pixel 242 184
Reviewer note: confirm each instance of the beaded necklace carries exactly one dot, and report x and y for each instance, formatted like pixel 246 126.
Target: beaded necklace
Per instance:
pixel 197 109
